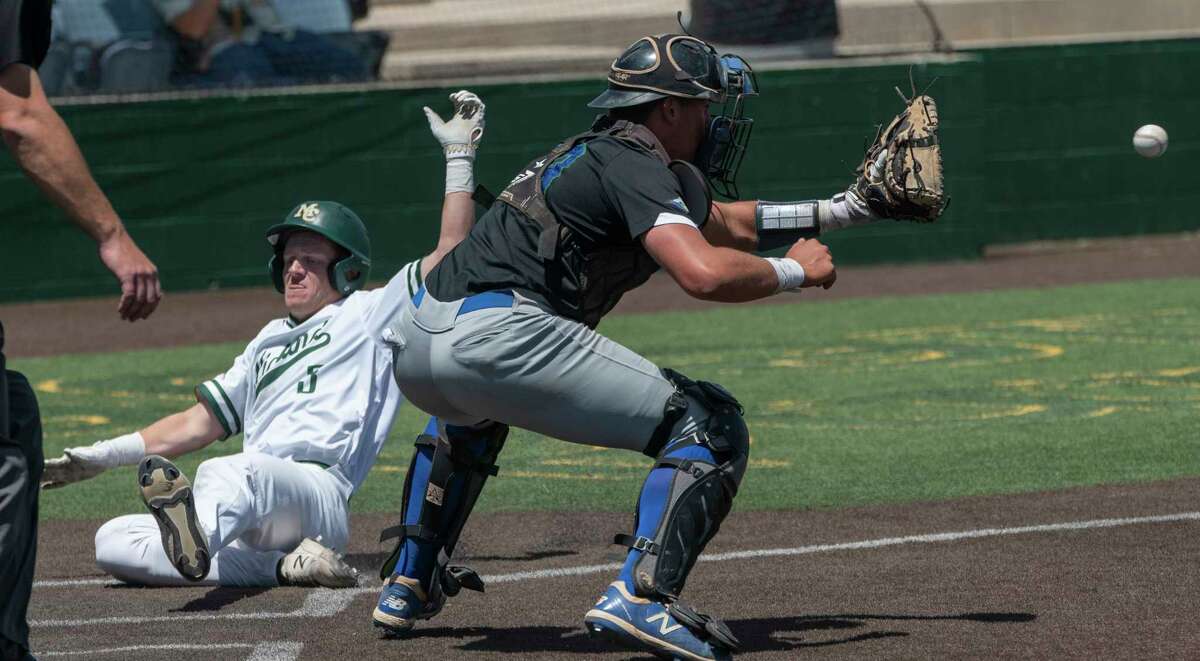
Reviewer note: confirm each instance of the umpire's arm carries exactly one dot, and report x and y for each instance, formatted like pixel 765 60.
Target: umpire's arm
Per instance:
pixel 43 147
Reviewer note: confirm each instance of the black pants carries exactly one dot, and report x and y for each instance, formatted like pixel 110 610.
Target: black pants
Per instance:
pixel 20 476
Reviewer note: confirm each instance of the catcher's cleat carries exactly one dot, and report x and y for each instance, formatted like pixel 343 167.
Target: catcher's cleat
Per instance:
pixel 668 631
pixel 168 495
pixel 314 565
pixel 402 603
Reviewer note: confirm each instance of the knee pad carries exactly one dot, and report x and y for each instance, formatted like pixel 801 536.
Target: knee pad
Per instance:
pixel 706 467
pixel 445 478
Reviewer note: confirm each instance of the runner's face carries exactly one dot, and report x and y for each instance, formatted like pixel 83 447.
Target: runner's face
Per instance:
pixel 306 285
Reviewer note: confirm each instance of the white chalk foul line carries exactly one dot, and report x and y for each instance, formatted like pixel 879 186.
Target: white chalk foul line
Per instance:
pixel 954 536
pixel 75 583
pixel 326 603
pixel 275 651
pixel 318 603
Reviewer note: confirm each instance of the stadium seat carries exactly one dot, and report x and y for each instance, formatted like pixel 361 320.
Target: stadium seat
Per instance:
pixel 107 47
pixel 315 15
pixel 333 21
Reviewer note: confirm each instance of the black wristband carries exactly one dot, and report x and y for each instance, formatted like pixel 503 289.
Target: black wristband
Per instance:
pixel 783 223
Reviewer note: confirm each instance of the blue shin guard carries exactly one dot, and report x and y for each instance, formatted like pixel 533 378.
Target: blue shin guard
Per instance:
pixel 656 492
pixel 684 500
pixel 447 473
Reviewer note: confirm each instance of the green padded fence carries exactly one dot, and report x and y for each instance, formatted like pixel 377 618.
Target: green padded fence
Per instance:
pixel 1037 146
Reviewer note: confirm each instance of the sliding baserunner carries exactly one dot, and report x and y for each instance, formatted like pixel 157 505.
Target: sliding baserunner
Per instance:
pixel 313 396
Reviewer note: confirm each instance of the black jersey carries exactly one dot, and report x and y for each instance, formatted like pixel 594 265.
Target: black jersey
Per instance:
pixel 24 32
pixel 605 193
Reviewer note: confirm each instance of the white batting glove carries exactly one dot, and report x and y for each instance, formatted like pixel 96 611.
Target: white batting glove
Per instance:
pixel 461 135
pixel 84 463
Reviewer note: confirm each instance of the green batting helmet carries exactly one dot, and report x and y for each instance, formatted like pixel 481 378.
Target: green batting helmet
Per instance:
pixel 335 222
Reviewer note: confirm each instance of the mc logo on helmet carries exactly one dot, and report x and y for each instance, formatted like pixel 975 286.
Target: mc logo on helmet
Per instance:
pixel 308 211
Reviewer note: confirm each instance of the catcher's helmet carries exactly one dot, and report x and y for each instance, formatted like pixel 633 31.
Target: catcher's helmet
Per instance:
pixel 335 222
pixel 681 65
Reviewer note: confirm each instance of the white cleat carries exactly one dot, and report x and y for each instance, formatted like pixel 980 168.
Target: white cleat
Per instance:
pixel 314 565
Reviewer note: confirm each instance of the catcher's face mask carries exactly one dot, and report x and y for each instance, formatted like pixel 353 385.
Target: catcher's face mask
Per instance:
pixel 683 66
pixel 721 153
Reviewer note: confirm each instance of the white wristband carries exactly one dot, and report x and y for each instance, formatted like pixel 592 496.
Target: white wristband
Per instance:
pixel 789 272
pixel 460 175
pixel 124 450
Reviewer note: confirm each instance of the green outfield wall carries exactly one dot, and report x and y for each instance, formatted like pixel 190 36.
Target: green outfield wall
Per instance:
pixel 1037 146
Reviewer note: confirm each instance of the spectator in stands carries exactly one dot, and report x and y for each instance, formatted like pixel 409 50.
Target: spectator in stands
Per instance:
pixel 245 43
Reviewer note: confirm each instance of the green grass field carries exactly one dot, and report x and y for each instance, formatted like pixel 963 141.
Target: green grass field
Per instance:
pixel 849 403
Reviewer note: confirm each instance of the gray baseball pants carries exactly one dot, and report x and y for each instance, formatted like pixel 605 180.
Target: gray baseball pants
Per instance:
pixel 525 367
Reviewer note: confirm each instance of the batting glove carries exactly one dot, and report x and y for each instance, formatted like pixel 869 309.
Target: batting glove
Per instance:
pixel 83 463
pixel 461 135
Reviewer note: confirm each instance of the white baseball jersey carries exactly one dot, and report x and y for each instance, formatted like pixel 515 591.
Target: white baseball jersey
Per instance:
pixel 321 390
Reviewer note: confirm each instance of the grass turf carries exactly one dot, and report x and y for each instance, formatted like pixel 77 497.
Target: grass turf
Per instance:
pixel 849 403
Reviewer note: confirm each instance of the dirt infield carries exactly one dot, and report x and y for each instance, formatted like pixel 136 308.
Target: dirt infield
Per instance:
pixel 1072 574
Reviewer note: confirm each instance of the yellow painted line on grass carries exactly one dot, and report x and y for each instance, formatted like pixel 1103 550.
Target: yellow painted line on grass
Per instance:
pixel 1017 383
pixel 93 420
pixel 49 385
pixel 1015 412
pixel 1060 325
pixel 1100 413
pixel 1042 350
pixel 919 356
pixel 1180 371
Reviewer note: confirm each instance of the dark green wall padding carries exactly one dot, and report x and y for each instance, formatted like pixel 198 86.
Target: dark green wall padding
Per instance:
pixel 1037 146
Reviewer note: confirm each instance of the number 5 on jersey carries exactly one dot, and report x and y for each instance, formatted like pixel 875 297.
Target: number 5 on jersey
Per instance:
pixel 309 385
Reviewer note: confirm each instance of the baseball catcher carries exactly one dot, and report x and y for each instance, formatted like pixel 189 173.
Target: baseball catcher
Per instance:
pixel 312 395
pixel 503 331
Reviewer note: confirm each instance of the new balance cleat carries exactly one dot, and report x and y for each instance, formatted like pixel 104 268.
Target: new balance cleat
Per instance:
pixel 668 631
pixel 402 603
pixel 168 495
pixel 314 565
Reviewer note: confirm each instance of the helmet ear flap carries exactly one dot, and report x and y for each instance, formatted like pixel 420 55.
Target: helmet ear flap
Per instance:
pixel 340 275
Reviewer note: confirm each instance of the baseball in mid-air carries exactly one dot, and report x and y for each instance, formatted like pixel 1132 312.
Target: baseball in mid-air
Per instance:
pixel 1150 141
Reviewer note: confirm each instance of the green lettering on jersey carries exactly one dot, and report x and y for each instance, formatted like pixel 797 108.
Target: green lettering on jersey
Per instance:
pixel 271 368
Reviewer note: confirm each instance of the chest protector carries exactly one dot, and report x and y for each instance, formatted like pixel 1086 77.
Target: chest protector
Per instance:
pixel 586 281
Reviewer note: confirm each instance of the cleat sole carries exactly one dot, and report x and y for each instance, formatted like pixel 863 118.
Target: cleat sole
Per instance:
pixel 168 495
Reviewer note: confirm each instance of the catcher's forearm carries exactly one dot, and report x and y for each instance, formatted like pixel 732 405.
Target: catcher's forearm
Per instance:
pixel 761 226
pixel 731 225
pixel 780 224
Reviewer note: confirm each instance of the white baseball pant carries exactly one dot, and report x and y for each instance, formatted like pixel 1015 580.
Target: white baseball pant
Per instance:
pixel 254 508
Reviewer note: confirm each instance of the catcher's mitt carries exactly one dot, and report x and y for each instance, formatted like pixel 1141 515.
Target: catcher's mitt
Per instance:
pixel 901 175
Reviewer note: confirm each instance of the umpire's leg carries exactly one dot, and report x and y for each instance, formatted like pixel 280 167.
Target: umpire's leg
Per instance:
pixel 20 475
